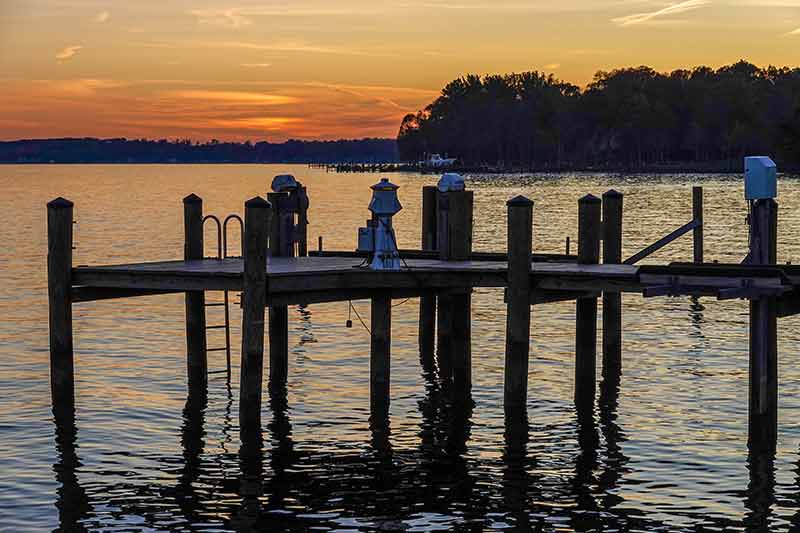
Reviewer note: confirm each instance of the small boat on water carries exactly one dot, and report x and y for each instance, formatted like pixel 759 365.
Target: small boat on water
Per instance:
pixel 437 161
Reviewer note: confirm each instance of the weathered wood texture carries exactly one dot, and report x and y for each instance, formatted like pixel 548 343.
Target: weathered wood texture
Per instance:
pixel 459 248
pixel 278 314
pixel 459 221
pixel 302 225
pixel 59 285
pixel 697 215
pixel 444 335
pixel 589 225
pixel 380 353
pixel 612 301
pixel 256 224
pixel 518 316
pixel 427 304
pixel 763 397
pixel 408 253
pixel 196 349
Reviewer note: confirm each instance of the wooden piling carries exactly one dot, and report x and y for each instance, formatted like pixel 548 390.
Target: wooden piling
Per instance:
pixel 589 223
pixel 427 304
pixel 302 224
pixel 612 301
pixel 380 354
pixel 460 244
pixel 278 314
pixel 697 215
pixel 444 310
pixel 196 353
pixel 254 300
pixel 518 316
pixel 763 397
pixel 59 286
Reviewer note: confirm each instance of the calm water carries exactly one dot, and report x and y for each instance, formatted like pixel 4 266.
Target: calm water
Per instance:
pixel 669 455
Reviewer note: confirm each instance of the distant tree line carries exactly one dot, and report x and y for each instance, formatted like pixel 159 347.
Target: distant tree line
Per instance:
pixel 90 150
pixel 631 118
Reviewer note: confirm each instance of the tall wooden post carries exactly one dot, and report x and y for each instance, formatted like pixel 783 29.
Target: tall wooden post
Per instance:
pixel 444 310
pixel 612 302
pixel 380 354
pixel 763 398
pixel 278 314
pixel 427 304
pixel 460 249
pixel 196 353
pixel 59 287
pixel 254 300
pixel 302 223
pixel 518 315
pixel 589 223
pixel 697 214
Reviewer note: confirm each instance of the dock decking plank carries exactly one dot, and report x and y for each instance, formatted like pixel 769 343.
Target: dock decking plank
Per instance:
pixel 324 274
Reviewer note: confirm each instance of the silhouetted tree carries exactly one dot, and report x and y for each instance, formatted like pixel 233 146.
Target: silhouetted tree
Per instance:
pixel 632 118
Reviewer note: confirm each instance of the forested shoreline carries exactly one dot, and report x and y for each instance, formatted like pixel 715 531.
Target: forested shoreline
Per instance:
pixel 633 119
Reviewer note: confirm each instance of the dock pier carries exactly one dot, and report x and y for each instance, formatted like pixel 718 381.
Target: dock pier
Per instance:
pixel 275 272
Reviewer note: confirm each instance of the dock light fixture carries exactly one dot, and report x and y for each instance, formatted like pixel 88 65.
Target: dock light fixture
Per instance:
pixel 378 237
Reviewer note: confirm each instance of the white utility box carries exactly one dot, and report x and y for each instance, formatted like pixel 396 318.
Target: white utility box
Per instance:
pixel 760 178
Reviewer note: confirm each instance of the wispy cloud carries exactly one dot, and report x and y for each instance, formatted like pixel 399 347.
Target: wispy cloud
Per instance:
pixel 278 46
pixel 68 52
pixel 794 32
pixel 672 9
pixel 101 17
pixel 552 66
pixel 239 17
pixel 256 65
pixel 229 18
pixel 238 97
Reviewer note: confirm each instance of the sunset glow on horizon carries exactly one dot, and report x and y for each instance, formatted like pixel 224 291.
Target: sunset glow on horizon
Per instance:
pixel 314 69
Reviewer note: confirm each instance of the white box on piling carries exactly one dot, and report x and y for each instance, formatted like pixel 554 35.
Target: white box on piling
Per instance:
pixel 760 178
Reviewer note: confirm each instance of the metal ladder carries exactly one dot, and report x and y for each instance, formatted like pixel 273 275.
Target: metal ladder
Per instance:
pixel 222 253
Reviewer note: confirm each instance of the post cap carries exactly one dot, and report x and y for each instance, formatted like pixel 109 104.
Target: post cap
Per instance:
pixel 589 199
pixel 451 181
pixel 257 202
pixel 284 183
pixel 611 193
pixel 59 203
pixel 519 201
pixel 193 199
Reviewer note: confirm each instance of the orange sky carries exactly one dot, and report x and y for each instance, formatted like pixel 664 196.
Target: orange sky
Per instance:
pixel 337 68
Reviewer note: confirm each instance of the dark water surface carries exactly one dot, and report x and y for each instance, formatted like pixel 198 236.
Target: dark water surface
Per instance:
pixel 668 454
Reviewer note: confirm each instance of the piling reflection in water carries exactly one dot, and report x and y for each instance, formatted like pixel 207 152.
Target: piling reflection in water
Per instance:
pixel 274 483
pixel 760 494
pixel 193 446
pixel 72 502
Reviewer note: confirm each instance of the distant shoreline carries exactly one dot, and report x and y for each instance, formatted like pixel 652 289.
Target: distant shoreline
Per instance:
pixel 688 169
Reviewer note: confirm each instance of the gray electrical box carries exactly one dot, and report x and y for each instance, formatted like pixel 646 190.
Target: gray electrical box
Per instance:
pixel 760 178
pixel 366 239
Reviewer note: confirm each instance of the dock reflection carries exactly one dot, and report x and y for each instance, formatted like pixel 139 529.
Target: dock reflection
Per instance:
pixel 517 480
pixel 72 501
pixel 193 446
pixel 760 495
pixel 273 483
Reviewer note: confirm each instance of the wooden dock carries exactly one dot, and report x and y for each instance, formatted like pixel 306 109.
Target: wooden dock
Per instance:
pixel 277 271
